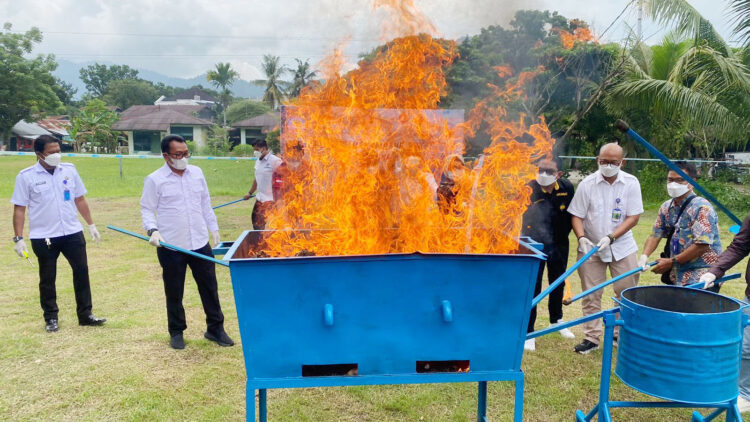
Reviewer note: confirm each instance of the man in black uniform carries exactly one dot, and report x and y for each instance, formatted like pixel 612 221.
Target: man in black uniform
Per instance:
pixel 547 221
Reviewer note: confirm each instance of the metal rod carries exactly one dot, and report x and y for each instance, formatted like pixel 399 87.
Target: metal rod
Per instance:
pixel 558 327
pixel 699 285
pixel 607 283
pixel 564 275
pixel 481 401
pixel 232 202
pixel 625 128
pixel 120 159
pixel 168 246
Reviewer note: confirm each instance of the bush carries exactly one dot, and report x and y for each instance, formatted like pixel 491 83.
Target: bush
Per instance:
pixel 191 146
pixel 242 151
pixel 272 139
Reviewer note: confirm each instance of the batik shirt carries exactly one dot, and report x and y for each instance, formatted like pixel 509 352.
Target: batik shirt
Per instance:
pixel 699 224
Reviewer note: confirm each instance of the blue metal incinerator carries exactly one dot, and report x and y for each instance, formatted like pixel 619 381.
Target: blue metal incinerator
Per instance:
pixel 328 321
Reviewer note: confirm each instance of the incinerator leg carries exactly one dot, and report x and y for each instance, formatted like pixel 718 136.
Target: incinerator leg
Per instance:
pixel 250 402
pixel 262 413
pixel 518 413
pixel 482 402
pixel 609 331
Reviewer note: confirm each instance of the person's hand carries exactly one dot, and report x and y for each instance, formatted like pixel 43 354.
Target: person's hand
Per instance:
pixel 643 262
pixel 708 280
pixel 95 236
pixel 20 248
pixel 585 245
pixel 155 238
pixel 604 242
pixel 247 196
pixel 662 266
pixel 216 238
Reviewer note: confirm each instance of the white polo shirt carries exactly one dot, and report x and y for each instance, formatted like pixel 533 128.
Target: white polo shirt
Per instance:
pixel 264 168
pixel 596 202
pixel 50 213
pixel 178 206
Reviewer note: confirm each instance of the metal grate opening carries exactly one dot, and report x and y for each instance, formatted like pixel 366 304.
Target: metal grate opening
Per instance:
pixel 339 369
pixel 427 366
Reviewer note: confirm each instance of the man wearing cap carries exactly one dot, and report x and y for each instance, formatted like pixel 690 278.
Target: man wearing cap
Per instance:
pixel 176 209
pixel 54 193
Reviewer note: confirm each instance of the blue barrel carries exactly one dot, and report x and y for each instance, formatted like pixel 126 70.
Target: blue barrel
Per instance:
pixel 680 344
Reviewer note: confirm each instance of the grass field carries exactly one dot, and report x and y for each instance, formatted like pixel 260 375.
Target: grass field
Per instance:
pixel 126 371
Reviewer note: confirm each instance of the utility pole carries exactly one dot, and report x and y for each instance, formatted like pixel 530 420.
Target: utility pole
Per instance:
pixel 639 28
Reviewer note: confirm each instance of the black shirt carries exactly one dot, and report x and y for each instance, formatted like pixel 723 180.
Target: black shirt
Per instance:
pixel 547 220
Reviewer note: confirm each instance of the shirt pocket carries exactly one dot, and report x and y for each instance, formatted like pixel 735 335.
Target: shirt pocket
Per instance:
pixel 196 194
pixel 40 192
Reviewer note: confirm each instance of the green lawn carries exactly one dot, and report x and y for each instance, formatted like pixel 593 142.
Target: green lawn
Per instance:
pixel 126 371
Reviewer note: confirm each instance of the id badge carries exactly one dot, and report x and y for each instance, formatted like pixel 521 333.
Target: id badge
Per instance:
pixel 616 215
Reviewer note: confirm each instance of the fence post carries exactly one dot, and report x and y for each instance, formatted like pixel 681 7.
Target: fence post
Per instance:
pixel 120 158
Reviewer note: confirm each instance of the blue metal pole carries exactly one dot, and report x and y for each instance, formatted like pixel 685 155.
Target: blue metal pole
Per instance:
pixel 609 332
pixel 564 275
pixel 233 202
pixel 625 128
pixel 262 410
pixel 249 402
pixel 699 285
pixel 607 283
pixel 168 246
pixel 482 401
pixel 518 411
pixel 558 327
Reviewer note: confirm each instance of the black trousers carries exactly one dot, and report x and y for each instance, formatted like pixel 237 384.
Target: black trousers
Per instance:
pixel 73 248
pixel 557 263
pixel 174 266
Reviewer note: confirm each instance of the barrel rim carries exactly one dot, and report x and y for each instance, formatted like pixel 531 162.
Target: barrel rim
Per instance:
pixel 739 302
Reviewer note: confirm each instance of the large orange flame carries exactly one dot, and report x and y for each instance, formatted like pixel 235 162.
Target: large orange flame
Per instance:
pixel 367 148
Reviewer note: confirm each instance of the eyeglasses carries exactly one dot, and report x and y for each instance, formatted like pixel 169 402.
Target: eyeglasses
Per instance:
pixel 610 162
pixel 550 172
pixel 179 155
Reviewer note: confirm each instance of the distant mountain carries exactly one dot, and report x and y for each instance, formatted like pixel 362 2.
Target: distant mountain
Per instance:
pixel 70 73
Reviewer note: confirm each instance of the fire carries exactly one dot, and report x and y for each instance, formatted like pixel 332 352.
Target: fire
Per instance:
pixel 366 149
pixel 581 34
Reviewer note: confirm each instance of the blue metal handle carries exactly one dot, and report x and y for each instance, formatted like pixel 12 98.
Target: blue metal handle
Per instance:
pixel 447 311
pixel 607 283
pixel 699 285
pixel 232 202
pixel 173 247
pixel 328 314
pixel 564 275
pixel 558 327
pixel 625 128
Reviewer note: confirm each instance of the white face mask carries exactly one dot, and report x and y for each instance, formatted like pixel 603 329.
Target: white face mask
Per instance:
pixel 609 170
pixel 257 154
pixel 545 179
pixel 180 164
pixel 676 190
pixel 53 160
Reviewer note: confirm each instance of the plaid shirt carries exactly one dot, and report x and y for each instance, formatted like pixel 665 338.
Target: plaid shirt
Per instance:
pixel 699 224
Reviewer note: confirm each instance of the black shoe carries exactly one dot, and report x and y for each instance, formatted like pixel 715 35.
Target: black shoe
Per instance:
pixel 92 320
pixel 222 339
pixel 177 342
pixel 614 341
pixel 51 326
pixel 585 347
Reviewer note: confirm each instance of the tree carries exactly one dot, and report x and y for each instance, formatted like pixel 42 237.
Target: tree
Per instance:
pixel 275 88
pixel 740 9
pixel 92 130
pixel 223 77
pixel 302 77
pixel 26 84
pixel 128 92
pixel 97 76
pixel 64 91
pixel 245 109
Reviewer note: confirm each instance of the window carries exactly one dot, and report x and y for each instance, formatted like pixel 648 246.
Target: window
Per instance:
pixel 184 131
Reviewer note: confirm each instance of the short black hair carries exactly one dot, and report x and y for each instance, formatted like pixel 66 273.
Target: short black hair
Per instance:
pixel 42 141
pixel 555 159
pixel 260 143
pixel 688 168
pixel 165 141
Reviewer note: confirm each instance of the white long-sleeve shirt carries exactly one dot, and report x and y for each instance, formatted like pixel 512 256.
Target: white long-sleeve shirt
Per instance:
pixel 178 206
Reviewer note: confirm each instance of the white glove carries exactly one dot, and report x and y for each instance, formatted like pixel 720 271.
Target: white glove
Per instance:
pixel 708 280
pixel 604 242
pixel 155 238
pixel 95 236
pixel 20 248
pixel 585 245
pixel 643 262
pixel 215 237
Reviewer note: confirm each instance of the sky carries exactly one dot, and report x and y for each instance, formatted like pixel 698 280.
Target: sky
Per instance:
pixel 185 38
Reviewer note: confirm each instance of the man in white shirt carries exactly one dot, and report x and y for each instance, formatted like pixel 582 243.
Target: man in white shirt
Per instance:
pixel 606 205
pixel 178 196
pixel 53 192
pixel 265 166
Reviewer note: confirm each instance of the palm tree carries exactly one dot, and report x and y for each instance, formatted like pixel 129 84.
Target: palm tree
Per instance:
pixel 223 77
pixel 302 77
pixel 275 88
pixel 740 9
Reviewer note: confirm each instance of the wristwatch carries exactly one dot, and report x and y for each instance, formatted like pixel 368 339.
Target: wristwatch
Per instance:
pixel 151 231
pixel 17 238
